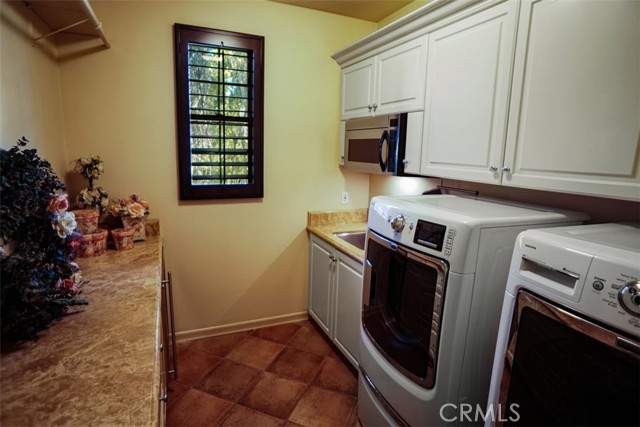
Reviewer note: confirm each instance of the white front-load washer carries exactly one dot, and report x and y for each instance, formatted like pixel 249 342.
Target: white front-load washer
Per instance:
pixel 568 349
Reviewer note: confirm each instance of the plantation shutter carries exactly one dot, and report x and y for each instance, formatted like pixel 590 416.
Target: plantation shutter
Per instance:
pixel 220 108
pixel 220 119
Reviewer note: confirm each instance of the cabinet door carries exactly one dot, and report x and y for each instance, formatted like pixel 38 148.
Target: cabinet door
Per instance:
pixel 413 146
pixel 575 109
pixel 348 306
pixel 467 93
pixel 320 275
pixel 357 89
pixel 401 77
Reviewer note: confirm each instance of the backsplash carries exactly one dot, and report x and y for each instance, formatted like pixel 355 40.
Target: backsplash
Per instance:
pixel 337 217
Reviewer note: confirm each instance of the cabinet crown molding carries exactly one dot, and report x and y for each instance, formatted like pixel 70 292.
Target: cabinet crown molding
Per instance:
pixel 407 25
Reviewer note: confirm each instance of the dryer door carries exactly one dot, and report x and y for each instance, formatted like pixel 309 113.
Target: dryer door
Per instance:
pixel 402 306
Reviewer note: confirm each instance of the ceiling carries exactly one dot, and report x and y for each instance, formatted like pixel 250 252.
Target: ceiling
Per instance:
pixel 368 10
pixel 69 14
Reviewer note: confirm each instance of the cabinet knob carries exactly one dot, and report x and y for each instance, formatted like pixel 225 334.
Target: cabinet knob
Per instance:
pixel 375 107
pixel 492 168
pixel 405 162
pixel 370 107
pixel 506 169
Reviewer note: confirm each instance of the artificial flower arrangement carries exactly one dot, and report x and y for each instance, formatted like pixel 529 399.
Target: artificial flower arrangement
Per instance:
pixel 132 211
pixel 133 206
pixel 91 197
pixel 39 278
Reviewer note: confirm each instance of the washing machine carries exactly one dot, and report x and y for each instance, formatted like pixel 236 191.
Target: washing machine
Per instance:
pixel 568 349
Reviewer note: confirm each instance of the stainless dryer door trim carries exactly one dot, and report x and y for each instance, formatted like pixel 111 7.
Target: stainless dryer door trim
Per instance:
pixel 579 324
pixel 442 269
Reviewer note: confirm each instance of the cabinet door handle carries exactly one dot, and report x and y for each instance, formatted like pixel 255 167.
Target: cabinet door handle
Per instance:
pixel 405 162
pixel 174 345
pixel 506 169
pixel 492 168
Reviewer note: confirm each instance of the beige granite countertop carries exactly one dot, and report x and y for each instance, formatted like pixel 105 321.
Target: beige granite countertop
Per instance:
pixel 99 365
pixel 325 223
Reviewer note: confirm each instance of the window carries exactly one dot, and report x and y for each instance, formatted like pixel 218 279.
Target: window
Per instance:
pixel 219 111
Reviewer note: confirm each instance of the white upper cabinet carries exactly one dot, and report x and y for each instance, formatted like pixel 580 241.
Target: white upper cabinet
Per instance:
pixel 541 94
pixel 390 82
pixel 574 118
pixel 467 95
pixel 357 89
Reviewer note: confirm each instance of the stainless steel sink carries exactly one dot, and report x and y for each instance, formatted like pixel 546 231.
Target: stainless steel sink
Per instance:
pixel 355 238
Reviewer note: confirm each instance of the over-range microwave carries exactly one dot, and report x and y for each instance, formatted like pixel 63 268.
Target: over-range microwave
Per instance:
pixel 376 144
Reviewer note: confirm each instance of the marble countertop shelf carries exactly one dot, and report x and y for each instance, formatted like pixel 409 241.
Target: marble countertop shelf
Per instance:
pixel 325 224
pixel 100 365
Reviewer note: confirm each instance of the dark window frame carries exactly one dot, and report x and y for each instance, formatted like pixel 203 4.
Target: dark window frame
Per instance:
pixel 183 36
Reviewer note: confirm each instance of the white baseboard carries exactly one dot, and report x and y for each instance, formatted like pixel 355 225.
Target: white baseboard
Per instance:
pixel 241 326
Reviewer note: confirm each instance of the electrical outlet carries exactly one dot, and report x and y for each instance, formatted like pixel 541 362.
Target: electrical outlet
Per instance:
pixel 345 197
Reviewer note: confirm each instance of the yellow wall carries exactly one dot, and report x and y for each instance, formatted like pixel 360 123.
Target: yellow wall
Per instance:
pixel 30 99
pixel 232 261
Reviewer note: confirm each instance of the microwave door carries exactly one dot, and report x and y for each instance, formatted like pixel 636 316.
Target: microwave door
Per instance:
pixel 363 150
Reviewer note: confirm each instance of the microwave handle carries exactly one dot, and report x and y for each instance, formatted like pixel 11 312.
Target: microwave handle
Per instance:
pixel 383 163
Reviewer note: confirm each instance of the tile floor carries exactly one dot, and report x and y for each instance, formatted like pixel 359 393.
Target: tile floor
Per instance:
pixel 286 375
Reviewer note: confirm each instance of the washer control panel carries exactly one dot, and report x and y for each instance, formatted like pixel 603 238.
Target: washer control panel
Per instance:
pixel 629 297
pixel 593 269
pixel 612 292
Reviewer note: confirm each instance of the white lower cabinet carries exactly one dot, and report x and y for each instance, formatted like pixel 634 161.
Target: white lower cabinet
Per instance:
pixel 321 267
pixel 348 303
pixel 335 295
